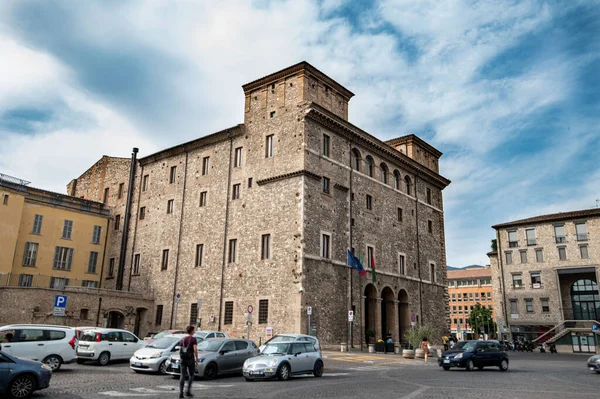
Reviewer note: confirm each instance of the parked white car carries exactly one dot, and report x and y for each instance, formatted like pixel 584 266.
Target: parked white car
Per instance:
pixel 153 357
pixel 284 359
pixel 293 337
pixel 105 344
pixel 53 345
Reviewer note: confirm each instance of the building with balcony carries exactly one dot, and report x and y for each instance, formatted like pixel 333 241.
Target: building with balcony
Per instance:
pixel 466 288
pixel 545 276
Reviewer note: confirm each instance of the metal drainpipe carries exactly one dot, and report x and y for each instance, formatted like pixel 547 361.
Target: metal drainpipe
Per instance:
pixel 179 240
pixel 121 270
pixel 225 235
pixel 135 229
pixel 418 249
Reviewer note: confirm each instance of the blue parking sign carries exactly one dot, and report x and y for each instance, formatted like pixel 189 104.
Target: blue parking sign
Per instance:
pixel 594 327
pixel 60 304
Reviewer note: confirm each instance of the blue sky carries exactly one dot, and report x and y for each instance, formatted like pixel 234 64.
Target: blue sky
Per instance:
pixel 509 91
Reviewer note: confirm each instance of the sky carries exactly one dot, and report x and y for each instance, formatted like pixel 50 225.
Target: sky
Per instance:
pixel 508 90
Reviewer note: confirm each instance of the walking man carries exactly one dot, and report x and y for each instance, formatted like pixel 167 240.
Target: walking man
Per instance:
pixel 188 353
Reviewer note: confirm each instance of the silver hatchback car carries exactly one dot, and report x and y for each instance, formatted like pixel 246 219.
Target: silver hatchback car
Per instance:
pixel 284 359
pixel 217 356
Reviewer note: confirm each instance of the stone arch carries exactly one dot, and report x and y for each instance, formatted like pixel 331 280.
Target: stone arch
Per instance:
pixel 355 159
pixel 403 314
pixel 585 299
pixel 388 318
pixel 369 163
pixel 396 179
pixel 370 309
pixel 385 172
pixel 115 318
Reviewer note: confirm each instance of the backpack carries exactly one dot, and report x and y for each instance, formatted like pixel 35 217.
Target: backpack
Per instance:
pixel 186 352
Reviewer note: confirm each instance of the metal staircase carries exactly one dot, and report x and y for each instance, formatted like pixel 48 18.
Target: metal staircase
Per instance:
pixel 567 326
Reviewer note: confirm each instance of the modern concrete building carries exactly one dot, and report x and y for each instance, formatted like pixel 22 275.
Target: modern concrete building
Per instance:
pixel 261 215
pixel 545 276
pixel 466 288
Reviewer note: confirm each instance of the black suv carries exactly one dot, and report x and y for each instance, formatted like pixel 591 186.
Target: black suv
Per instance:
pixel 471 354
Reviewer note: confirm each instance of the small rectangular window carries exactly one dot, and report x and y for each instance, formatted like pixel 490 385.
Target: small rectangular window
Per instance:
pixel 581 231
pixel 539 255
pixel 92 262
pixel 205 165
pixel 428 195
pixel 228 319
pixel 325 145
pixel 583 251
pixel 326 185
pixel 30 255
pixel 121 189
pixel 402 266
pixel 265 252
pixel 170 206
pixel 272 114
pixel 145 182
pixel 325 246
pixel 269 146
pixel 559 233
pixel 517 280
pixel 523 255
pixel 173 174
pixel 508 256
pixel 96 234
pixel 203 195
pixel 512 239
pixel 514 308
pixel 369 202
pixel 193 314
pixel 63 257
pixel 249 182
pixel 159 314
pixel 432 275
pixel 238 158
pixel 263 311
pixel 67 229
pixel 37 224
pixel 370 256
pixel 164 264
pixel 562 253
pixel 136 264
pixel 236 192
pixel 106 192
pixel 530 235
pixel 430 226
pixel 232 250
pixel 143 213
pixel 529 305
pixel 199 250
pixel 111 267
pixel 536 280
pixel 400 215
pixel 545 305
pixel 5 199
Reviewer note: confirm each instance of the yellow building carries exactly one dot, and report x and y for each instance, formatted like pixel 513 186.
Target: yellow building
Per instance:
pixel 49 240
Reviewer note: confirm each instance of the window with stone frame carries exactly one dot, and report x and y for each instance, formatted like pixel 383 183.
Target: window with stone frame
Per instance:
pixel 92 263
pixel 325 148
pixel 545 305
pixel 30 255
pixel 529 305
pixel 203 196
pixel 508 256
pixel 325 245
pixel 514 306
pixel 136 264
pixel 236 192
pixel 159 315
pixel 142 213
pixel 517 280
pixel 120 191
pixel 430 226
pixel 67 229
pixel 111 267
pixel 145 182
pixel 269 143
pixel 428 195
pixel 232 250
pixel 263 311
pixel 106 192
pixel 193 314
pixel 199 251
pixel 205 165
pixel 402 265
pixel 63 257
pixel 583 252
pixel 326 183
pixel 536 279
pixel 523 254
pixel 170 205
pixel 228 317
pixel 164 264
pixel 173 174
pixel 96 233
pixel 369 202
pixel 37 224
pixel 539 255
pixel 562 253
pixel 237 162
pixel 400 215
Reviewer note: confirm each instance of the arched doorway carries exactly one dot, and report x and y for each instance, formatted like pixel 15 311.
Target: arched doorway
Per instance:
pixel 403 314
pixel 387 313
pixel 586 301
pixel 370 309
pixel 114 319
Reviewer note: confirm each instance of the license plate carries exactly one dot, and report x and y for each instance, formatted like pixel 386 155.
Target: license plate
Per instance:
pixel 137 364
pixel 446 361
pixel 591 368
pixel 175 366
pixel 255 372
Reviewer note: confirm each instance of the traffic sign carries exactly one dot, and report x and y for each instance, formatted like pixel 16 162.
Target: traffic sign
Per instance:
pixel 594 327
pixel 309 310
pixel 413 318
pixel 250 309
pixel 249 324
pixel 60 304
pixel 350 315
pixel 177 297
pixel 269 332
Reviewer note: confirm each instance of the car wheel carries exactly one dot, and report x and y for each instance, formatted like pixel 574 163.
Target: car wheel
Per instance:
pixel 22 386
pixel 446 368
pixel 318 369
pixel 104 358
pixel 81 361
pixel 162 369
pixel 248 379
pixel 210 371
pixel 503 365
pixel 598 371
pixel 470 365
pixel 53 361
pixel 283 373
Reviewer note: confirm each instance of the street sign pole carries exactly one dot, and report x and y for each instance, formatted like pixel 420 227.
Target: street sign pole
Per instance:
pixel 177 296
pixel 308 313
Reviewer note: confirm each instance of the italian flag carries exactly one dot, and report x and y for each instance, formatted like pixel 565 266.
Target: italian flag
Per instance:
pixel 373 274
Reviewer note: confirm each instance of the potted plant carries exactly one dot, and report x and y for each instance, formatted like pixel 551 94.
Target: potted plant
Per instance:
pixel 414 337
pixel 371 340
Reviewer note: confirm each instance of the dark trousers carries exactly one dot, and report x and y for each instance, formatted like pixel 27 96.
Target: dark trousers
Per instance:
pixel 445 347
pixel 188 371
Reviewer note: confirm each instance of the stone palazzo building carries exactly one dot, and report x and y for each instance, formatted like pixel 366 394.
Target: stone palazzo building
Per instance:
pixel 261 214
pixel 545 276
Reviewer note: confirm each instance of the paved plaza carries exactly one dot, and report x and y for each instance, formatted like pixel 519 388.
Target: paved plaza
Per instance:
pixel 354 375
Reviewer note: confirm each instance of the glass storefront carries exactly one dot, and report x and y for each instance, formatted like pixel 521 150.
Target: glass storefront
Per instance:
pixel 586 301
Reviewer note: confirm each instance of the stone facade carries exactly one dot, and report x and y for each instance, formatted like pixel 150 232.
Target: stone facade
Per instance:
pixel 275 192
pixel 544 297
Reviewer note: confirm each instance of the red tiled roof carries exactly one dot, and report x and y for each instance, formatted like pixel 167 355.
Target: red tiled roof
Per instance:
pixel 469 273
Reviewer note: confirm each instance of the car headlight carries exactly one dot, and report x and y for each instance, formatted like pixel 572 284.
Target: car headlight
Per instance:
pixel 245 364
pixel 156 355
pixel 459 356
pixel 46 367
pixel 273 362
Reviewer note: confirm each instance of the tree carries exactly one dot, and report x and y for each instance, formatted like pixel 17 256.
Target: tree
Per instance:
pixel 482 317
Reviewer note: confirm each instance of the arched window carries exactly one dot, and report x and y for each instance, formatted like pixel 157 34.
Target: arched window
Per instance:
pixel 396 180
pixel 586 301
pixel 369 165
pixel 407 184
pixel 384 173
pixel 355 159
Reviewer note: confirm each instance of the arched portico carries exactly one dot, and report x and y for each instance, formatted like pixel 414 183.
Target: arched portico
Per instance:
pixel 388 316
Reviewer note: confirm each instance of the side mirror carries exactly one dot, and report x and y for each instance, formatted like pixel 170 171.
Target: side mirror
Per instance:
pixel 297 353
pixel 176 348
pixel 222 352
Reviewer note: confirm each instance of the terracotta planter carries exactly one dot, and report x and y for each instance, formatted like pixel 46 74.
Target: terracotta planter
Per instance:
pixel 419 354
pixel 408 353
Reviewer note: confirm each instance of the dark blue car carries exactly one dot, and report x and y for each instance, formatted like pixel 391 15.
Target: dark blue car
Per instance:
pixel 19 377
pixel 475 354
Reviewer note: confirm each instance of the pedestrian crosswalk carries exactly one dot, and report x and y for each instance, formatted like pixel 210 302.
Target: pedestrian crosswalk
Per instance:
pixel 159 390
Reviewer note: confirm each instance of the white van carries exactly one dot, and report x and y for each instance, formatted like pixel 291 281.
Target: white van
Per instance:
pixel 53 345
pixel 105 344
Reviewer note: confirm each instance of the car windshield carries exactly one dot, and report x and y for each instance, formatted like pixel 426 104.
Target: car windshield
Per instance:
pixel 209 346
pixel 163 343
pixel 161 335
pixel 88 336
pixel 272 349
pixel 200 335
pixel 280 338
pixel 465 345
